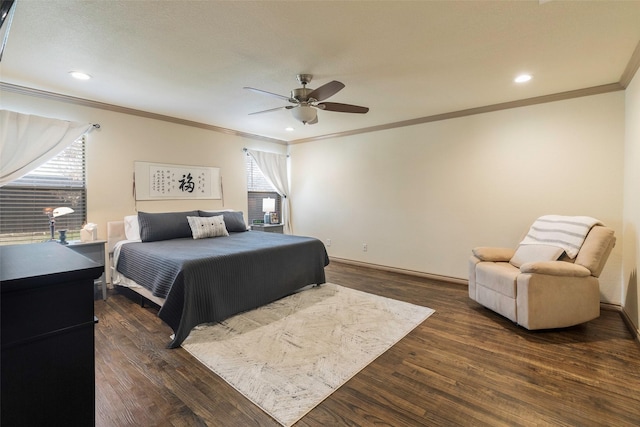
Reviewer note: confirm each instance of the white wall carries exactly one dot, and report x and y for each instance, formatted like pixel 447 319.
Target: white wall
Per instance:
pixel 422 197
pixel 123 139
pixel 630 294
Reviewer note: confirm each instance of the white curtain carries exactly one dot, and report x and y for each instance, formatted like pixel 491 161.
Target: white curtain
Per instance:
pixel 274 168
pixel 28 141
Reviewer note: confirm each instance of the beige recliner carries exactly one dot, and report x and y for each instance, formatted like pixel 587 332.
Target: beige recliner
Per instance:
pixel 542 294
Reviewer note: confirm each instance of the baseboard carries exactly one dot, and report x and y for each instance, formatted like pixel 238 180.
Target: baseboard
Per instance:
pixel 610 307
pixel 625 318
pixel 455 280
pixel 632 328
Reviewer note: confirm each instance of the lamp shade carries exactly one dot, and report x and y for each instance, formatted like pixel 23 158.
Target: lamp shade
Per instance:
pixel 61 211
pixel 304 113
pixel 268 205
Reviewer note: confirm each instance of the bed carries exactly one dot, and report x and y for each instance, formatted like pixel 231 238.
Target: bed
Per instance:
pixel 201 279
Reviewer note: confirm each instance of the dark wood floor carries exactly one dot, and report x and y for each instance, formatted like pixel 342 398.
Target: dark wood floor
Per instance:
pixel 463 366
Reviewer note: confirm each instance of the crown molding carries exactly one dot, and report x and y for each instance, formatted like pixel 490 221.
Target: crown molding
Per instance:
pixel 632 68
pixel 612 87
pixel 22 90
pixel 595 90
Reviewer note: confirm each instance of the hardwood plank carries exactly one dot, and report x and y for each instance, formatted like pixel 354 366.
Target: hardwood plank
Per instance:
pixel 465 365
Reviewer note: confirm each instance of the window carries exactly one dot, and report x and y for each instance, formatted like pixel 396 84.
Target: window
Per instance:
pixel 258 188
pixel 58 183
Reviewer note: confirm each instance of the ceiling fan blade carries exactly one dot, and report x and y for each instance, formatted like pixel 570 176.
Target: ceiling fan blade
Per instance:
pixel 285 107
pixel 264 92
pixel 326 90
pixel 342 108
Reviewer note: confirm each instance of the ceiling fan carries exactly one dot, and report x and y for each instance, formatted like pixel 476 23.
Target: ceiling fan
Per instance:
pixel 307 101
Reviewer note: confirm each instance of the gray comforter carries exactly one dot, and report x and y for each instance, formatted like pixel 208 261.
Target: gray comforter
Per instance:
pixel 209 280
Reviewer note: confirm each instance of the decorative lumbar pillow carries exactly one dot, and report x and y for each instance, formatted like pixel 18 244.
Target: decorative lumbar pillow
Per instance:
pixel 535 253
pixel 234 221
pixel 164 226
pixel 204 227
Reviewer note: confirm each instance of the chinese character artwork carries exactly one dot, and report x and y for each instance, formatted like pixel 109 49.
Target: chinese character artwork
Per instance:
pixel 177 182
pixel 186 183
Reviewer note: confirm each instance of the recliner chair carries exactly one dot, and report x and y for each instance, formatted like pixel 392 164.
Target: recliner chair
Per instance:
pixel 542 294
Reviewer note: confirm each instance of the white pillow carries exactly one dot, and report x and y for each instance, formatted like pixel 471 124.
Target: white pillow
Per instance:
pixel 535 253
pixel 209 226
pixel 131 227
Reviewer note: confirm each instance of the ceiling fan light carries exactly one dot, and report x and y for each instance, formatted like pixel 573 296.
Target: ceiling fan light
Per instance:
pixel 304 113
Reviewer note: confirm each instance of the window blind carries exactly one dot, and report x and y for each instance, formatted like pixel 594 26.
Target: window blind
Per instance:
pixel 59 182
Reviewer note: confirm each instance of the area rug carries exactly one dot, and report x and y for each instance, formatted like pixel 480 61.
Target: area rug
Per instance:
pixel 290 355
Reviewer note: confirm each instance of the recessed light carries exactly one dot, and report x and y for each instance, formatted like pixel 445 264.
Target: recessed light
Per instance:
pixel 289 129
pixel 79 75
pixel 522 78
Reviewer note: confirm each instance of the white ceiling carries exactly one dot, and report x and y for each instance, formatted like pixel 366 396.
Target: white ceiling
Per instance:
pixel 403 60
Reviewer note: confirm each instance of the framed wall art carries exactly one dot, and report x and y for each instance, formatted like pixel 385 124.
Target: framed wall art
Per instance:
pixel 159 181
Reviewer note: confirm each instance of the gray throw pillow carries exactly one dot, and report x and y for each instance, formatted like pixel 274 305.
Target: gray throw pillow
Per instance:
pixel 234 220
pixel 164 226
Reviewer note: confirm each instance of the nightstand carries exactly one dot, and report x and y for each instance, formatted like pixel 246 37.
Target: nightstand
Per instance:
pixel 95 251
pixel 269 228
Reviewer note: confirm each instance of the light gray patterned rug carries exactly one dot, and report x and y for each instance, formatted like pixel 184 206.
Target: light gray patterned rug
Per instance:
pixel 290 355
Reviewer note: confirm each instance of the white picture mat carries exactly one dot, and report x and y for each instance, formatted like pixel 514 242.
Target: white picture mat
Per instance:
pixel 162 181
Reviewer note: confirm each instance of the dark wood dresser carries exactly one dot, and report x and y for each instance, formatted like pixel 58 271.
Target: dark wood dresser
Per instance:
pixel 47 325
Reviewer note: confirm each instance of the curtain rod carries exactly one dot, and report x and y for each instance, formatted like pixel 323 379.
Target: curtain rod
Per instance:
pixel 245 149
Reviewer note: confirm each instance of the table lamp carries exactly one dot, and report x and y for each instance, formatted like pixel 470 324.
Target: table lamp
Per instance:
pixel 53 214
pixel 268 206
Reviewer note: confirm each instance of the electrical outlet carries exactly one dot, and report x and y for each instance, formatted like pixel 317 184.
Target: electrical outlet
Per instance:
pixel 328 242
pixel 364 247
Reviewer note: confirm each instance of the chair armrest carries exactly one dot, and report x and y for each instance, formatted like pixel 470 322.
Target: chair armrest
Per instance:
pixel 486 253
pixel 555 268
